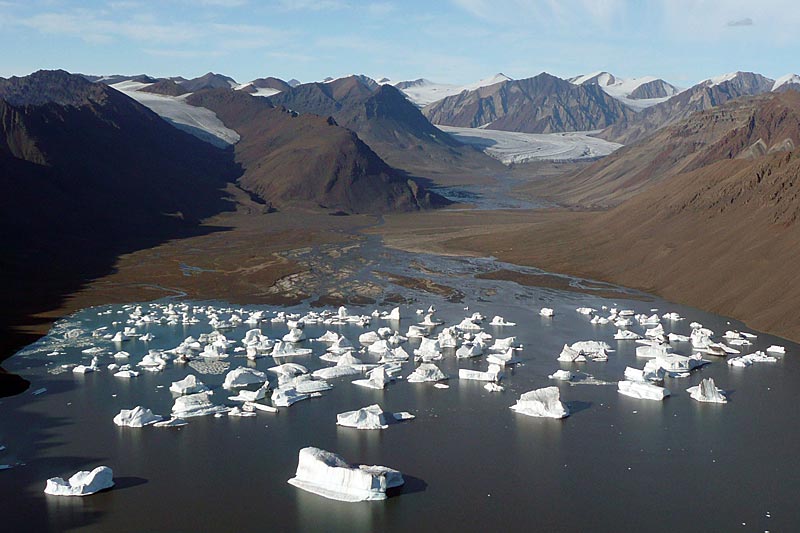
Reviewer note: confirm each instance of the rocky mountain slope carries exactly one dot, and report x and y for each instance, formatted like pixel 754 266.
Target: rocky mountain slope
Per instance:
pixel 743 129
pixel 542 104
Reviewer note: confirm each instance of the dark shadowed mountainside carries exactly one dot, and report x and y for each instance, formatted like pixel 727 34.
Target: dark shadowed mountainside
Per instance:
pixel 165 87
pixel 305 159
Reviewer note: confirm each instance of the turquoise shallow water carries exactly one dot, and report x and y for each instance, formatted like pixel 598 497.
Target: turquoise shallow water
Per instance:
pixel 471 463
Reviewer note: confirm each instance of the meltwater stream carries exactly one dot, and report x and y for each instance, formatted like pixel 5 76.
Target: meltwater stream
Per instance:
pixel 470 463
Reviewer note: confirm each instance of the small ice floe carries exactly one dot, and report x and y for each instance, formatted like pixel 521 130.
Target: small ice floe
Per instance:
pixel 237 411
pixel 242 377
pixel 285 349
pixel 707 391
pixel 561 375
pixel 672 316
pixel 85 369
pixel 253 406
pixel 503 359
pixel 188 385
pixel 642 390
pixel 599 320
pixel 284 396
pixel 198 404
pixel 469 350
pixel 371 417
pixel 209 367
pixel 582 351
pixel 328 475
pixel 701 337
pixel 547 312
pixel 545 403
pixel 500 321
pixel 416 331
pixel 494 374
pixel 429 350
pixel 626 335
pixel 369 337
pixel 294 335
pixel 430 322
pixel 652 333
pixel 675 363
pixel 645 320
pixel 585 310
pixel 394 314
pixel 468 324
pixel 749 359
pixel 494 387
pixel 653 349
pixel 674 337
pixel 426 372
pixel 328 336
pixel 777 350
pixel 137 417
pixel 502 345
pixel 377 378
pixel 37 392
pixel 171 423
pixel 441 386
pixel 251 396
pixel 125 372
pixel 82 483
pixel 154 360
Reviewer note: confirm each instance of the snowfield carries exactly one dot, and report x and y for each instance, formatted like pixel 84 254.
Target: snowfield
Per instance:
pixel 512 147
pixel 424 92
pixel 199 121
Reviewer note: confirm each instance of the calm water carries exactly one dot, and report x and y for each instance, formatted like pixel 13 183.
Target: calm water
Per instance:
pixel 470 462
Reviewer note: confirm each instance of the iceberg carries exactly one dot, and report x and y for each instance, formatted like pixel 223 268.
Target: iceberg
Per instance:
pixel 503 359
pixel 369 337
pixel 429 350
pixel 284 349
pixel 561 375
pixel 749 359
pixel 495 373
pixel 188 385
pixel 707 391
pixel 328 475
pixel 642 390
pixel 243 376
pixel 286 396
pixel 82 483
pixel 501 345
pixel 426 372
pixel 570 355
pixel 547 312
pixel 468 350
pixel 337 371
pixel 585 310
pixel 377 379
pixel 494 387
pixel 779 350
pixel 626 335
pixel 136 417
pixel 500 321
pixel 294 335
pixel 372 417
pixel 198 404
pixel 545 403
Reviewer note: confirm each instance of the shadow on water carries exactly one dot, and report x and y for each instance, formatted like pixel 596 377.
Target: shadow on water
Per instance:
pixel 576 406
pixel 412 485
pixel 127 482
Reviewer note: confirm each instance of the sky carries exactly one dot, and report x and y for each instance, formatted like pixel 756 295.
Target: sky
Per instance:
pixel 453 41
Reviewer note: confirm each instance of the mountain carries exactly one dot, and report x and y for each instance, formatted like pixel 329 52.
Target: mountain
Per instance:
pixel 742 130
pixel 787 83
pixel 207 81
pixel 265 86
pixel 88 174
pixel 637 93
pixel 293 82
pixel 704 95
pixel 291 158
pixel 385 120
pixel 542 104
pixel 423 92
pixel 117 78
pixel 164 88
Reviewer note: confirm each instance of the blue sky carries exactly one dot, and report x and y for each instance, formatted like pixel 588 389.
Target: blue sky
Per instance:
pixel 458 41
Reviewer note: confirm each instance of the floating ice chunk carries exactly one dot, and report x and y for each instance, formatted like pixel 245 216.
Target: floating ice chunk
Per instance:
pixel 136 417
pixel 426 372
pixel 449 338
pixel 671 316
pixel 395 355
pixel 500 321
pixel 250 396
pixel 294 335
pixel 701 337
pixel 545 402
pixel 503 359
pixel 378 348
pixel 288 370
pixel 188 385
pixel 372 417
pixel 626 335
pixel 653 350
pixel 561 375
pixel 468 350
pixel 468 324
pixel 585 310
pixel 286 396
pixel 501 345
pixel 776 349
pixel 121 355
pixel 678 363
pixel 642 390
pixel 570 355
pixel 327 474
pixel 403 415
pixel 369 337
pixel 340 345
pixel 83 369
pixel 394 314
pixel 253 406
pixel 236 411
pixel 429 321
pixel 652 333
pixel 377 378
pixel 494 387
pixel 592 349
pixel 749 359
pixel 127 374
pixel 548 312
pixel 416 331
pixel 336 372
pixel 601 320
pixel 329 336
pixel 707 391
pixel 651 320
pixel 284 349
pixel 243 376
pixel 198 404
pixel 441 386
pixel 171 423
pixel 429 350
pixel 82 483
pixel 495 373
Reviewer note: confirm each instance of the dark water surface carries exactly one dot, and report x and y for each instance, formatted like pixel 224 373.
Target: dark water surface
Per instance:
pixel 470 462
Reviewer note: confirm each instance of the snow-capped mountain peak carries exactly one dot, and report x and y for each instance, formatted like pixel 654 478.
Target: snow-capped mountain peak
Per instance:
pixel 788 79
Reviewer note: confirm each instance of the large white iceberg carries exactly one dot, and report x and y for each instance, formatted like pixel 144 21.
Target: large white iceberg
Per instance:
pixel 426 372
pixel 543 402
pixel 707 391
pixel 377 378
pixel 642 390
pixel 495 373
pixel 327 474
pixel 198 404
pixel 82 483
pixel 371 417
pixel 242 377
pixel 137 417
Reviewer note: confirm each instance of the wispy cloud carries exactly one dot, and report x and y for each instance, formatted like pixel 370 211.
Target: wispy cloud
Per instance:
pixel 313 5
pixel 741 22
